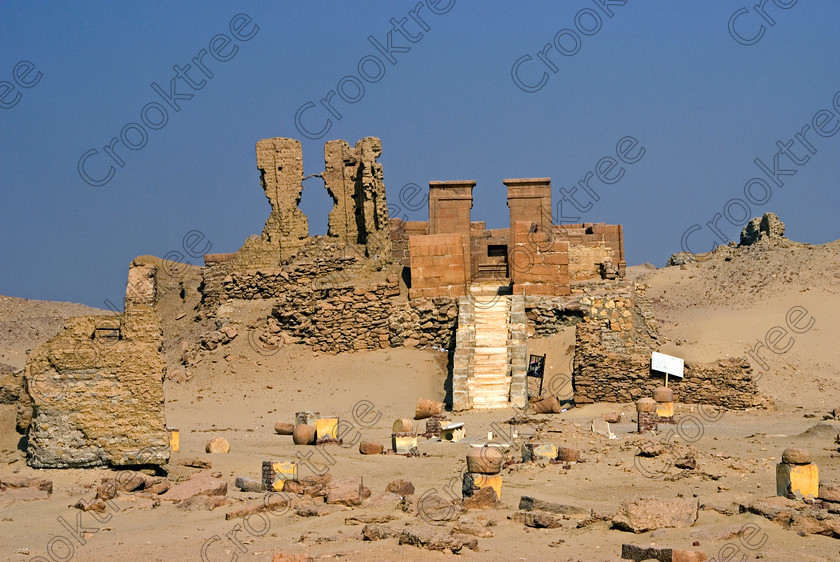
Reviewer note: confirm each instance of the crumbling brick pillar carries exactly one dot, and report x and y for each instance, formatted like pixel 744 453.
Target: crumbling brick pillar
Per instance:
pixel 529 199
pixel 354 180
pixel 280 161
pixel 449 213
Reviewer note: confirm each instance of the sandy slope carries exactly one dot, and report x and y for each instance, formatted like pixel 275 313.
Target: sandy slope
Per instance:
pixel 724 305
pixel 25 323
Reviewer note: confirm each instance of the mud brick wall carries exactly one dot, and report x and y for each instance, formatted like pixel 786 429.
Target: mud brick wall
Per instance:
pixel 438 266
pixel 280 162
pixel 539 262
pixel 604 376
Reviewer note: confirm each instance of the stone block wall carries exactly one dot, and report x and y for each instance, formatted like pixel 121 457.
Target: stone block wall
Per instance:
pixel 590 244
pixel 538 262
pixel 438 265
pixel 605 376
pixel 529 199
pixel 449 213
pixel 401 231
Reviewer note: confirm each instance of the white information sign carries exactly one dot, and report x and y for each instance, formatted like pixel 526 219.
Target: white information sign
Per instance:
pixel 667 364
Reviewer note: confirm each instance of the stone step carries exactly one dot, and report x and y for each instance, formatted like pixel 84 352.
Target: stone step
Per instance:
pixel 500 403
pixel 500 349
pixel 490 378
pixel 483 365
pixel 497 390
pixel 490 361
pixel 497 397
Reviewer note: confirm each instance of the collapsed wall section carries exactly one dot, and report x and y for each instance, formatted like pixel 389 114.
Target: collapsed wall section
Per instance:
pixel 591 245
pixel 358 229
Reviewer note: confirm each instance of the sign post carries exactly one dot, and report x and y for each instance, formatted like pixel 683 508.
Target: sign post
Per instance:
pixel 667 364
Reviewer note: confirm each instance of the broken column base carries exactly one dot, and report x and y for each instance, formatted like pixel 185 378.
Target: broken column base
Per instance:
pixel 646 421
pixel 275 474
pixel 326 430
pixel 473 482
pixel 307 418
pixel 799 480
pixel 404 443
pixel 174 439
pixel 665 409
pixel 433 426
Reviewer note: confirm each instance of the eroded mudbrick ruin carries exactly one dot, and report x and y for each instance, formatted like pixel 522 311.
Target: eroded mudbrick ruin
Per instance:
pixel 373 282
pixel 96 389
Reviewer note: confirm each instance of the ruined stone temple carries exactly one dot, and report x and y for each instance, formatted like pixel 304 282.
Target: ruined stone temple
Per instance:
pixel 95 391
pixel 449 282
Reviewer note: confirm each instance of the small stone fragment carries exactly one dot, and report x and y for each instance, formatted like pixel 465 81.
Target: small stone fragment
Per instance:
pixel 370 448
pixel 196 462
pixel 217 445
pixel 284 428
pixel 796 456
pixel 249 484
pixel 400 487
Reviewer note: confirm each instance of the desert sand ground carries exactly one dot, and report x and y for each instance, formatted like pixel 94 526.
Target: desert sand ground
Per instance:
pixel 707 310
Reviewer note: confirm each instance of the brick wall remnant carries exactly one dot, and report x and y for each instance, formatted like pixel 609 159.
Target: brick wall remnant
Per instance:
pixel 280 161
pixel 96 389
pixel 354 180
pixel 606 376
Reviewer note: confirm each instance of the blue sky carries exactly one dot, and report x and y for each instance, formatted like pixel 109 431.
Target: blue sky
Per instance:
pixel 701 103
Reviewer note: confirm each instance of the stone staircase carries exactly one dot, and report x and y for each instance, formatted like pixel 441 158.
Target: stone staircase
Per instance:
pixel 489 363
pixel 489 385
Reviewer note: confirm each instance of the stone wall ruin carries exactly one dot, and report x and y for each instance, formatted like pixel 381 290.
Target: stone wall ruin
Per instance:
pixel 96 389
